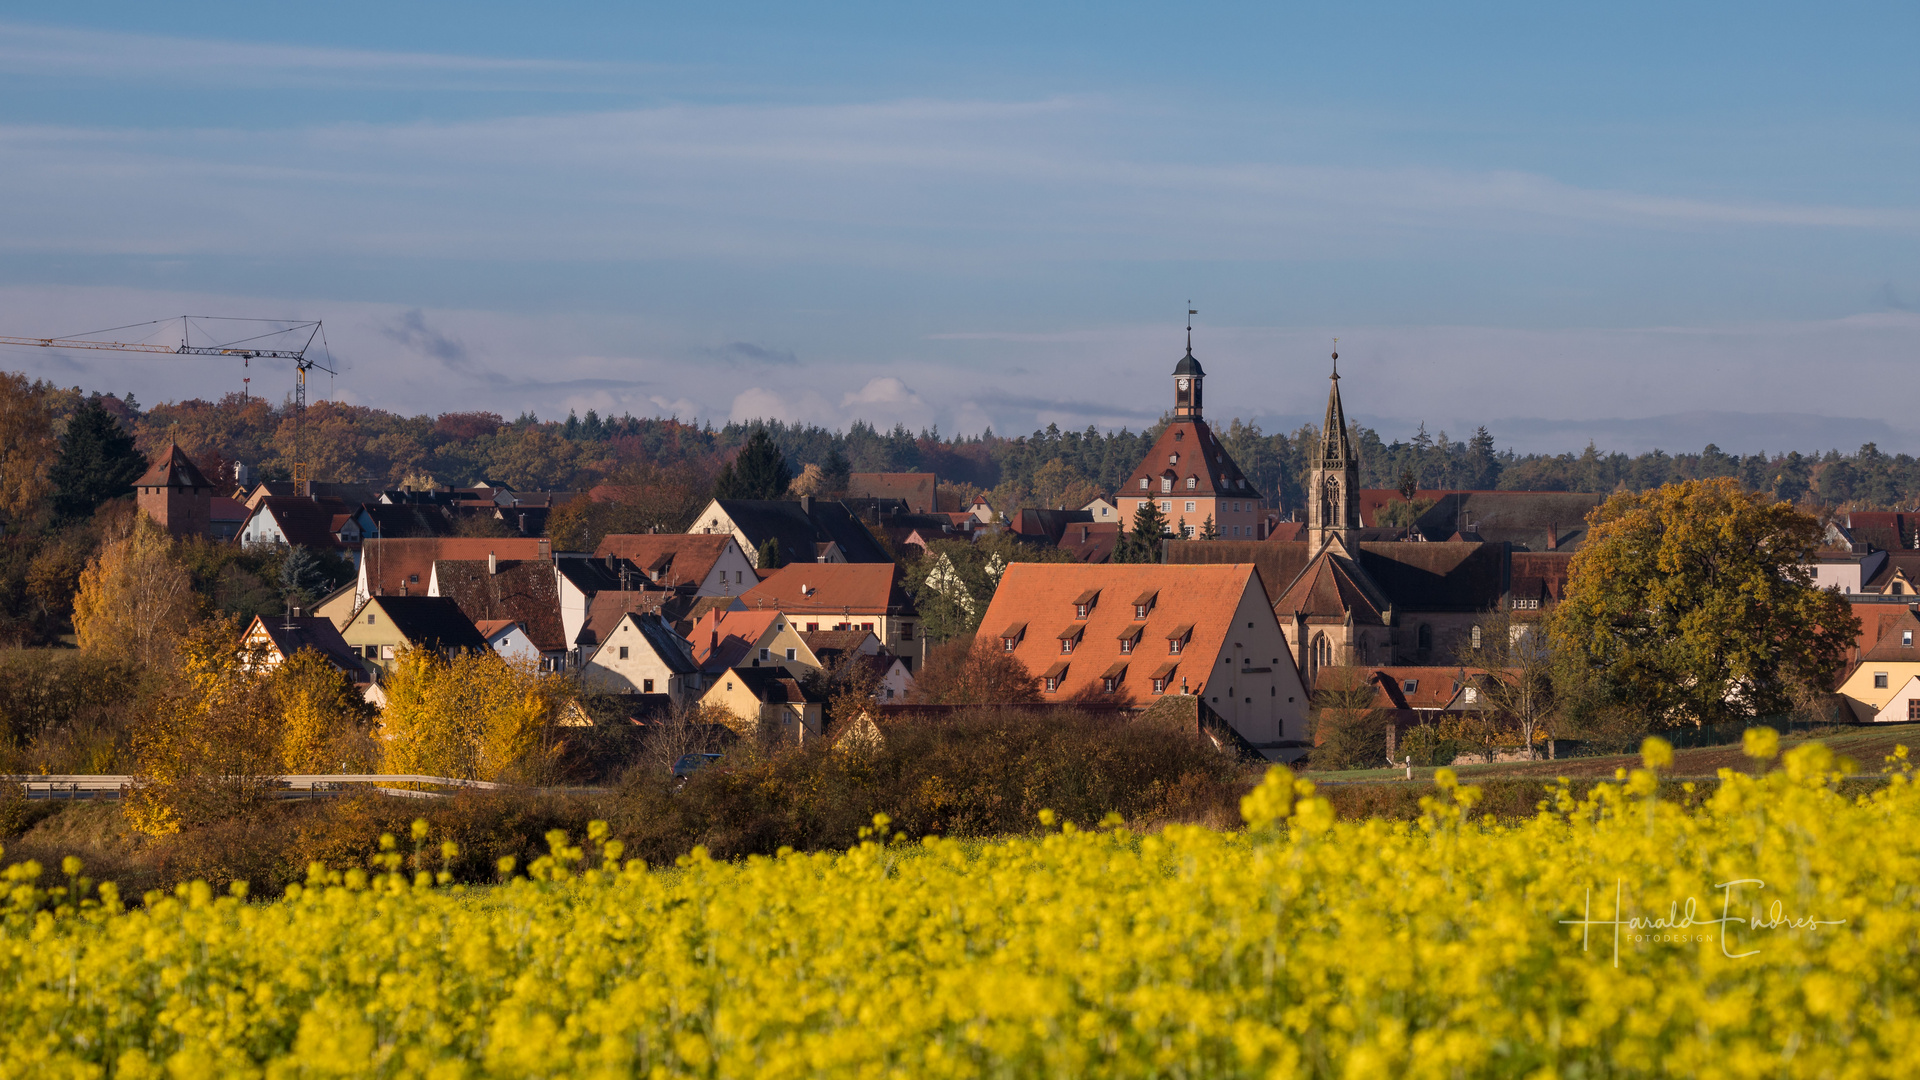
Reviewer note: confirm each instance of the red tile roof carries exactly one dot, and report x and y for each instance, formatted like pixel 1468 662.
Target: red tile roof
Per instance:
pixel 668 558
pixel 1200 457
pixel 607 607
pixel 520 591
pixel 917 490
pixel 1197 602
pixel 1330 588
pixel 390 564
pixel 830 588
pixel 723 639
pixel 173 468
pixel 1091 543
pixel 1887 647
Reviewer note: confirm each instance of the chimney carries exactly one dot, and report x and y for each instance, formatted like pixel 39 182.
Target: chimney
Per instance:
pixel 1553 537
pixel 493 564
pixel 610 559
pixel 546 551
pixel 806 505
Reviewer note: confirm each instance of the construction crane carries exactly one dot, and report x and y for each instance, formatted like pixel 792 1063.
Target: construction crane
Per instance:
pixel 248 349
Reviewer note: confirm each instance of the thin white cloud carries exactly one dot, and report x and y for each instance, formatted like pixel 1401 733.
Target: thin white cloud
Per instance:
pixel 105 55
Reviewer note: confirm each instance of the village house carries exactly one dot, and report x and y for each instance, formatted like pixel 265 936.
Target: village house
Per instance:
pixel 751 638
pixel 386 626
pixel 1884 670
pixel 641 654
pixel 1189 473
pixel 278 637
pixel 846 596
pixel 918 492
pixel 509 640
pixel 1536 521
pixel 806 530
pixel 523 592
pixel 404 566
pixel 712 565
pixel 1134 633
pixel 833 647
pixel 769 697
pixel 1105 511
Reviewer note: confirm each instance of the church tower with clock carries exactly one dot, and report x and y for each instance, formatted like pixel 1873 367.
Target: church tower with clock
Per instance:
pixel 1190 475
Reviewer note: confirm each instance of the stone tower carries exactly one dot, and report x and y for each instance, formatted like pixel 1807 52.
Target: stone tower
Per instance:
pixel 1334 495
pixel 176 494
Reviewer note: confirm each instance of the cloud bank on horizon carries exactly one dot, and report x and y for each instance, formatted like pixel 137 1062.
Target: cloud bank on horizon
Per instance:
pixel 716 221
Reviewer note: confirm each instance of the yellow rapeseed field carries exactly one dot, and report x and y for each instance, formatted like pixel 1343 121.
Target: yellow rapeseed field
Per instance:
pixel 1299 947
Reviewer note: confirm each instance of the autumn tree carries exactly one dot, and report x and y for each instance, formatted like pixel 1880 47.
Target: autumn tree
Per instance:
pixel 759 471
pixel 322 718
pixel 476 716
pixel 211 748
pixel 969 672
pixel 97 461
pixel 135 597
pixel 954 580
pixel 1695 604
pixel 27 447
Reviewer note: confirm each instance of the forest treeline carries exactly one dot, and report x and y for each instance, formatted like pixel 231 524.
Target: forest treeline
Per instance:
pixel 1049 467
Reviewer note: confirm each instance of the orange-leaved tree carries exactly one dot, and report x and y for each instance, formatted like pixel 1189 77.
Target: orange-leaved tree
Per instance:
pixel 211 747
pixel 135 597
pixel 1693 603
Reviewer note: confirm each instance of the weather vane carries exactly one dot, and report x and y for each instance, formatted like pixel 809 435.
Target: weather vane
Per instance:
pixel 1336 358
pixel 1191 312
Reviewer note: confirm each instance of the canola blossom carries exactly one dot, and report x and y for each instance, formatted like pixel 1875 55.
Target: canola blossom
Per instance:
pixel 1561 945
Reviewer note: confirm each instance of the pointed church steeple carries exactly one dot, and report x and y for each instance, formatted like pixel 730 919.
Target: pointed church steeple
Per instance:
pixel 1334 499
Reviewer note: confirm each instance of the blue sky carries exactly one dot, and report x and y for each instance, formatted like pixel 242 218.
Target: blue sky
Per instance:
pixel 1648 224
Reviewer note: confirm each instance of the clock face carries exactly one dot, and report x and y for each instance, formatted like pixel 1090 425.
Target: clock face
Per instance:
pixel 1183 384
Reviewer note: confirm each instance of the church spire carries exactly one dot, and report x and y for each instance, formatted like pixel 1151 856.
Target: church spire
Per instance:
pixel 1187 378
pixel 1334 495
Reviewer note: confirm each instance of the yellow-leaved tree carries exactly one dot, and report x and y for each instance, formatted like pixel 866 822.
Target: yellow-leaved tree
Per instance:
pixel 135 597
pixel 323 719
pixel 475 716
pixel 211 748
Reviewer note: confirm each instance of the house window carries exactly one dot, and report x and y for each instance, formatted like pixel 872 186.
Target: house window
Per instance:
pixel 415 578
pixel 1913 709
pixel 791 654
pixel 906 631
pixel 1166 508
pixel 1053 683
pixel 1139 611
pixel 372 651
pixel 1066 646
pixel 1145 483
pixel 1190 505
pixel 866 626
pixel 1173 458
pixel 1110 683
pixel 386 652
pixel 1160 686
pixel 646 686
pixel 369 618
pixel 813 627
pixel 1879 680
pixel 623 652
pixel 1408 686
pixel 1906 639
pixel 1526 605
pixel 1187 531
pixel 1899 588
pixel 1009 643
pixel 1166 484
pixel 1192 482
pixel 1126 645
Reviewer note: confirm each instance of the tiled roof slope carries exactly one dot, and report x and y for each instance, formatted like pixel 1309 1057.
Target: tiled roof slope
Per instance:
pixel 608 607
pixel 1201 457
pixel 522 591
pixel 387 565
pixel 917 490
pixel 1905 564
pixel 1538 576
pixel 290 634
pixel 1888 648
pixel 1041 597
pixel 1438 576
pixel 801 528
pixel 668 558
pixel 774 686
pixel 1329 589
pixel 722 639
pixel 1534 520
pixel 173 468
pixel 307 522
pixel 1091 543
pixel 431 622
pixel 1883 530
pixel 1434 687
pixel 830 588
pixel 1279 561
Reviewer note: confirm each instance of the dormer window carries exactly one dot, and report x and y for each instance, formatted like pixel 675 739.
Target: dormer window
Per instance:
pixel 1145 484
pixel 1192 482
pixel 1010 637
pixel 1178 637
pixel 1114 676
pixel 1069 638
pixel 1173 458
pixel 1166 485
pixel 1143 604
pixel 1129 639
pixel 1083 604
pixel 1906 639
pixel 1054 676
